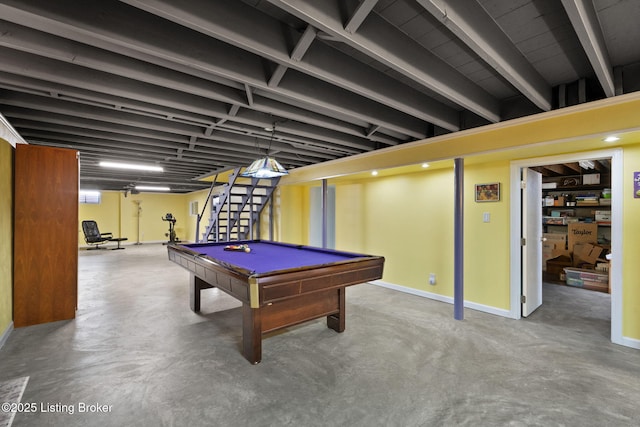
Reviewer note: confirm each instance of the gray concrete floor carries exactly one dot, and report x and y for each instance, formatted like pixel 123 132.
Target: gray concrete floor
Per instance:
pixel 403 361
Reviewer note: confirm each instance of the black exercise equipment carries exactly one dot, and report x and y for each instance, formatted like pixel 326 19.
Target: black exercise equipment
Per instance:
pixel 172 229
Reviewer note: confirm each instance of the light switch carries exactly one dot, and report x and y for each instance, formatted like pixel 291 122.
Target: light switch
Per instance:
pixel 486 217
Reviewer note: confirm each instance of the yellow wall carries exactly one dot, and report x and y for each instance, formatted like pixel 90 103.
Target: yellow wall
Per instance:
pixel 408 219
pixel 350 211
pixel 190 221
pixel 118 214
pixel 6 233
pixel 266 216
pixel 486 245
pixel 405 216
pixel 153 208
pixel 631 246
pixel 294 214
pixel 106 214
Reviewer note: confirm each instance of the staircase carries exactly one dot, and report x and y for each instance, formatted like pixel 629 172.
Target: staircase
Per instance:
pixel 236 210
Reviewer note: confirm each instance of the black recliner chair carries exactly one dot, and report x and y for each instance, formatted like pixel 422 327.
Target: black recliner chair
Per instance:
pixel 94 238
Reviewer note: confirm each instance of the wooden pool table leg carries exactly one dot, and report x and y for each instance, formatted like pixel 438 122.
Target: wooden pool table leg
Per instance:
pixel 194 293
pixel 195 286
pixel 251 333
pixel 337 321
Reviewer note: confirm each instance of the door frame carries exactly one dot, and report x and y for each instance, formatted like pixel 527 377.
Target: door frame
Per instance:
pixel 617 175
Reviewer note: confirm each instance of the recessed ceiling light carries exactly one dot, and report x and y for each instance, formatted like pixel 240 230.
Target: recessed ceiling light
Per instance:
pixel 131 166
pixel 374 173
pixel 611 139
pixel 151 188
pixel 425 165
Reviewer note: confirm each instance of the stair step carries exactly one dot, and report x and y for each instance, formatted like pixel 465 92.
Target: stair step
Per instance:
pixel 238 207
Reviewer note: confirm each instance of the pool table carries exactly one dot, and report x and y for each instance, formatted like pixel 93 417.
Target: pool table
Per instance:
pixel 279 284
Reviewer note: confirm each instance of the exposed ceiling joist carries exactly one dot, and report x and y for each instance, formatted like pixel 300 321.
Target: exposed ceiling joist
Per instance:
pixel 473 26
pixel 357 18
pixel 304 43
pixel 234 23
pixel 585 22
pixel 193 85
pixel 407 57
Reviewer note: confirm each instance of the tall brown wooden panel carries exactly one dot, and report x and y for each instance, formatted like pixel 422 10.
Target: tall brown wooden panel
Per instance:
pixel 45 284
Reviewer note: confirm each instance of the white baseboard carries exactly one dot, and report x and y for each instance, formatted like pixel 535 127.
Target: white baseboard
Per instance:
pixel 5 335
pixel 625 341
pixel 630 342
pixel 468 304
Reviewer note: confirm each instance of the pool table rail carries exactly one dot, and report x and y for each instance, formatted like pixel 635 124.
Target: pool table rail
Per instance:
pixel 278 299
pixel 279 284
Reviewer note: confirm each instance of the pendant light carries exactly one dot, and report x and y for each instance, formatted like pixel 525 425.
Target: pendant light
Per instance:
pixel 266 167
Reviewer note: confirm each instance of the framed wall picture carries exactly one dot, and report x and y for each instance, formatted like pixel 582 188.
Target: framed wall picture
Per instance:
pixel 488 192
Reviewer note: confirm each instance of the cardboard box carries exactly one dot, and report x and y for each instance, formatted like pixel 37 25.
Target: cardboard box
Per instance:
pixel 547 253
pixel 588 279
pixel 593 178
pixel 553 249
pixel 586 254
pixel 555 268
pixel 559 239
pixel 553 245
pixel 554 220
pixel 562 212
pixel 582 232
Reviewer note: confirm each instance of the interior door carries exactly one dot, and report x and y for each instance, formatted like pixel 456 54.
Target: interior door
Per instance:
pixel 532 241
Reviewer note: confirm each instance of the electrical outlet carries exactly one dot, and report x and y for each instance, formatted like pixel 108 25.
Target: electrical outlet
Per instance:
pixel 432 278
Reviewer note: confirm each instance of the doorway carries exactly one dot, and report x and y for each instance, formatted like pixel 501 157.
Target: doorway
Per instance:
pixel 519 263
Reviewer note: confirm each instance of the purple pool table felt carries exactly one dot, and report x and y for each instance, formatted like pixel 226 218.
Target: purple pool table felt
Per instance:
pixel 267 257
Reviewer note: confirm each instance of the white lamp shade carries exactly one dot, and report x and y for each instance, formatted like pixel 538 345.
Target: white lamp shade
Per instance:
pixel 266 167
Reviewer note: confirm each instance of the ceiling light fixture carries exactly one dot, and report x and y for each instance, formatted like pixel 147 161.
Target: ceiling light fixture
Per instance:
pixel 130 166
pixel 425 165
pixel 611 138
pixel 151 188
pixel 266 167
pixel 374 173
pixel 586 164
